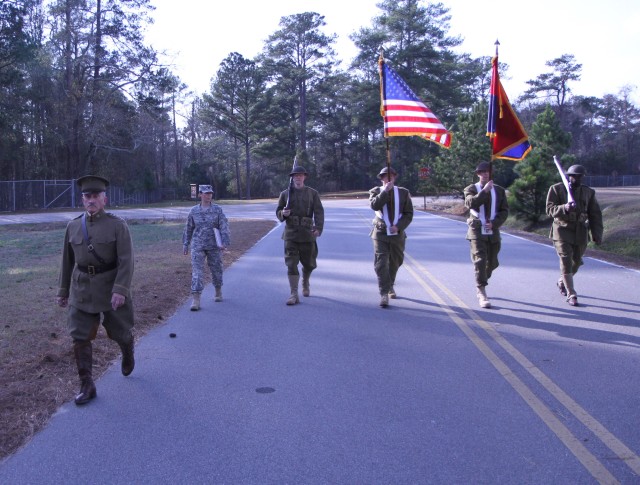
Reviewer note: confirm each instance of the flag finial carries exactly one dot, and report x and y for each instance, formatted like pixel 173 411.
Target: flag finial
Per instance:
pixel 497 43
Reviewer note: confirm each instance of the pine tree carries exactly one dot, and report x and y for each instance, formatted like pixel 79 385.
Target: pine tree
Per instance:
pixel 298 56
pixel 528 194
pixel 237 107
pixel 453 169
pixel 417 44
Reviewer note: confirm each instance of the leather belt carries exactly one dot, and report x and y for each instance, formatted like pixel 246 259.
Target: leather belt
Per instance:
pixel 94 270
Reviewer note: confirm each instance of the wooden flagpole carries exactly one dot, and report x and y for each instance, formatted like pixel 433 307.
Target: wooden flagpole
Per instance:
pixel 380 64
pixel 493 140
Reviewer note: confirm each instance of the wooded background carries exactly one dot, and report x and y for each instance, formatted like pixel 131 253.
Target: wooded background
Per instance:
pixel 80 92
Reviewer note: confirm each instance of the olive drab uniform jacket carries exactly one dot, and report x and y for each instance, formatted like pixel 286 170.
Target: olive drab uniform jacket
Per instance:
pixel 476 200
pixel 574 226
pixel 307 213
pixel 87 282
pixel 378 198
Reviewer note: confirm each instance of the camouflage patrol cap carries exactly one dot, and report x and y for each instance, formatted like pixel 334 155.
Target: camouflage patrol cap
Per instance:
pixel 298 169
pixel 92 184
pixel 385 171
pixel 205 189
pixel 483 166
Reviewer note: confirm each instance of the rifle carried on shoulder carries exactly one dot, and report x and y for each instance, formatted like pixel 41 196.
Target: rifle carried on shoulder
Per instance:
pixel 570 198
pixel 295 164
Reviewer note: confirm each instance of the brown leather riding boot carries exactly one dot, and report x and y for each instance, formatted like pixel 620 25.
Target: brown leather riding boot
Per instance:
pixel 128 361
pixel 83 352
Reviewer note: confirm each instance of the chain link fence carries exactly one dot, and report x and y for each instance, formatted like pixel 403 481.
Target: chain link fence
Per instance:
pixel 24 195
pixel 612 180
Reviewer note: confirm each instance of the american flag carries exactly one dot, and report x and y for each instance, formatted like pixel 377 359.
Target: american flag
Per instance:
pixel 403 112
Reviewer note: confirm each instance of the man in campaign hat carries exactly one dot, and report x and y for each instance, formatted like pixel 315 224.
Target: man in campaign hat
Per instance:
pixel 95 280
pixel 488 210
pixel 207 232
pixel 300 208
pixel 394 212
pixel 572 223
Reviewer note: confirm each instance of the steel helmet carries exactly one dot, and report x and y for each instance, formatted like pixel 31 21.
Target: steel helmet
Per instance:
pixel 576 170
pixel 297 169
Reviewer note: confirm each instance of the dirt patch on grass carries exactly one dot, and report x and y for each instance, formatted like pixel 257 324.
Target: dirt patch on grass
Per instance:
pixel 38 370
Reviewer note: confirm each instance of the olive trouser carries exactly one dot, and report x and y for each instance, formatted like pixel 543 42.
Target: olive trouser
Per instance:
pixel 388 257
pixel 300 252
pixel 484 256
pixel 570 256
pixel 83 326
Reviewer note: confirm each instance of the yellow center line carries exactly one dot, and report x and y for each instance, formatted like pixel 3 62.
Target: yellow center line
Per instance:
pixel 623 452
pixel 589 461
pixel 609 439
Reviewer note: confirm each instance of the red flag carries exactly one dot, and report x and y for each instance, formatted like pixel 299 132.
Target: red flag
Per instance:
pixel 510 141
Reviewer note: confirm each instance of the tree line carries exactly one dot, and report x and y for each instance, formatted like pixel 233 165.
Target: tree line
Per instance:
pixel 81 92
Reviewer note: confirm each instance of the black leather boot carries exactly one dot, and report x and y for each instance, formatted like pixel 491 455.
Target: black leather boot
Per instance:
pixel 83 352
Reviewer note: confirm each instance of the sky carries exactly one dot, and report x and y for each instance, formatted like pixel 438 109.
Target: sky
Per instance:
pixel 602 36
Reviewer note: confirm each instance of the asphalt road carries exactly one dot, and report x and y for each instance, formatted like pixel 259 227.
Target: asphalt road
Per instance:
pixel 337 390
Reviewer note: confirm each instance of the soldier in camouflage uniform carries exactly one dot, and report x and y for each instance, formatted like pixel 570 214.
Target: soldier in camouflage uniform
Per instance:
pixel 394 212
pixel 301 210
pixel 204 221
pixel 572 223
pixel 95 278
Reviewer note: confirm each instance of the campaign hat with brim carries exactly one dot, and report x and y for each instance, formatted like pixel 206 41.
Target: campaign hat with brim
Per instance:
pixel 385 171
